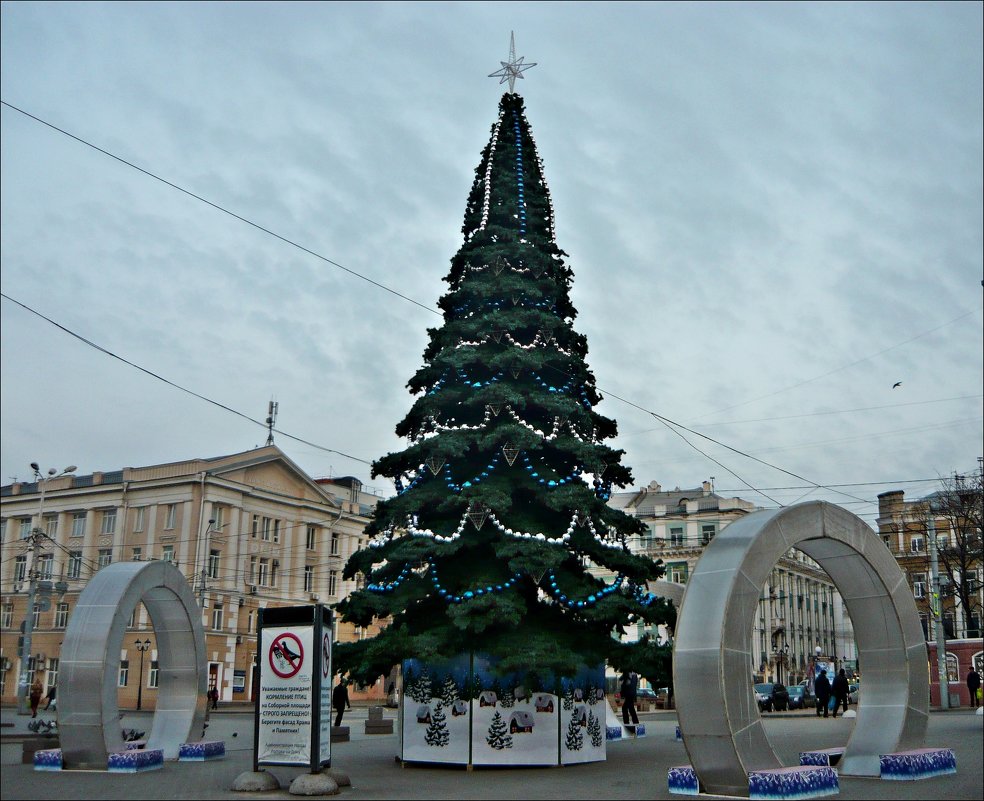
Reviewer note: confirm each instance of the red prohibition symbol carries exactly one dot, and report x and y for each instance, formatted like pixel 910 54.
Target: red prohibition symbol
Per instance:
pixel 286 655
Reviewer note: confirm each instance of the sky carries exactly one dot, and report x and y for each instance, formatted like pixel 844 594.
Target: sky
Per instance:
pixel 773 213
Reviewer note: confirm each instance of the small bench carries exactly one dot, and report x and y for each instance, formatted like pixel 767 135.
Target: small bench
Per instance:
pixel 48 759
pixel 825 757
pixel 682 780
pixel 804 781
pixel 376 723
pixel 921 763
pixel 136 760
pixel 201 751
pixel 339 734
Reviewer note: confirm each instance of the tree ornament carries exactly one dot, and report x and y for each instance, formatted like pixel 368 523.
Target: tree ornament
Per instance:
pixel 495 408
pixel 435 464
pixel 497 335
pixel 516 371
pixel 499 265
pixel 510 453
pixel 477 513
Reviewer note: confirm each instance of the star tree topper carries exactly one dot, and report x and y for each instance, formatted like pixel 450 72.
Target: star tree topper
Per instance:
pixel 512 69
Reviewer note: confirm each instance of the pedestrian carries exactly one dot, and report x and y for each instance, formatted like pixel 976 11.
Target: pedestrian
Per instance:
pixel 822 689
pixel 974 685
pixel 627 690
pixel 213 696
pixel 340 700
pixel 839 690
pixel 50 704
pixel 37 690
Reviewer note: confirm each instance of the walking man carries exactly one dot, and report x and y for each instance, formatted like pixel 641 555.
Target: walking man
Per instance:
pixel 974 685
pixel 627 690
pixel 340 700
pixel 840 690
pixel 822 686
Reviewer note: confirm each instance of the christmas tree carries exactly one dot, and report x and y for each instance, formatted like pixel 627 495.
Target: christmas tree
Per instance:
pixel 437 730
pixel 498 737
pixel 575 739
pixel 594 729
pixel 501 508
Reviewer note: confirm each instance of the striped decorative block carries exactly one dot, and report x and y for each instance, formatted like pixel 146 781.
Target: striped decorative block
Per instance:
pixel 679 735
pixel 921 763
pixel 824 757
pixel 805 781
pixel 613 732
pixel 201 751
pixel 136 760
pixel 134 745
pixel 48 759
pixel 682 780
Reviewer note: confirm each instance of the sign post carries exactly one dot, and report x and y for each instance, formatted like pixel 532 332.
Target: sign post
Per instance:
pixel 293 716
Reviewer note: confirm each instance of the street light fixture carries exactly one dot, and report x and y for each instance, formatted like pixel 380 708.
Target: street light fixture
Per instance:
pixel 33 546
pixel 142 647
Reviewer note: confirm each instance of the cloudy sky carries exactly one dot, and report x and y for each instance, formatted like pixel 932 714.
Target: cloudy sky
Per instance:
pixel 773 213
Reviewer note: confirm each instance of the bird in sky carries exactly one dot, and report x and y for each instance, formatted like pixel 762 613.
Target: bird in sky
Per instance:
pixel 896 384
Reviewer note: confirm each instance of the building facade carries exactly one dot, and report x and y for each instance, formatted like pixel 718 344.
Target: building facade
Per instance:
pixel 249 530
pixel 799 609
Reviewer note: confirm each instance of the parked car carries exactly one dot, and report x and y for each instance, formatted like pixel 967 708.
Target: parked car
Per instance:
pixel 853 691
pixel 663 699
pixel 772 697
pixel 646 695
pixel 801 697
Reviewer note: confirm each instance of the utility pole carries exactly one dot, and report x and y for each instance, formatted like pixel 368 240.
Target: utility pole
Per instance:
pixel 935 604
pixel 33 574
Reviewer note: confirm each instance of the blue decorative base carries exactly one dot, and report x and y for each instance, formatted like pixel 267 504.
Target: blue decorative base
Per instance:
pixel 921 763
pixel 136 760
pixel 805 781
pixel 682 780
pixel 48 759
pixel 613 732
pixel 679 735
pixel 135 745
pixel 636 730
pixel 201 751
pixel 824 757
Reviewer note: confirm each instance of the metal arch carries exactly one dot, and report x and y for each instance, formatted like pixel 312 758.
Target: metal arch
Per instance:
pixel 719 718
pixel 88 712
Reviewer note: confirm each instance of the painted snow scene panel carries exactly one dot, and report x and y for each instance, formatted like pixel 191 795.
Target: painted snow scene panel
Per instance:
pixel 436 714
pixel 583 709
pixel 514 718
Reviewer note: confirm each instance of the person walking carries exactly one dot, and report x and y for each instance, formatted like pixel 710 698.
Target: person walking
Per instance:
pixel 627 691
pixel 974 685
pixel 213 696
pixel 822 689
pixel 50 705
pixel 37 690
pixel 340 700
pixel 840 689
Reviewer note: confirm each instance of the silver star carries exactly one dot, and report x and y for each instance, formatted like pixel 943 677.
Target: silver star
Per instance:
pixel 512 69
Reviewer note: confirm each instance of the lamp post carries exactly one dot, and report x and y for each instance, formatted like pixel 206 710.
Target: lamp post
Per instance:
pixel 142 647
pixel 33 574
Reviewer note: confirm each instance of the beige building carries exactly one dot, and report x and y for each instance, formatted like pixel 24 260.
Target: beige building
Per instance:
pixel 248 530
pixel 798 608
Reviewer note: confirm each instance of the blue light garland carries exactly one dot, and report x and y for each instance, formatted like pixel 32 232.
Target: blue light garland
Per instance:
pixel 553 590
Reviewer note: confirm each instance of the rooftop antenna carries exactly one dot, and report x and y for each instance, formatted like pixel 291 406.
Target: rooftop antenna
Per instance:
pixel 271 420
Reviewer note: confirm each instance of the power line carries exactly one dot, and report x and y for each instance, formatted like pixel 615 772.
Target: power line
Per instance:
pixel 170 383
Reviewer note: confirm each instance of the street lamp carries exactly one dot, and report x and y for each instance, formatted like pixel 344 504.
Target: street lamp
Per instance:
pixel 142 647
pixel 33 546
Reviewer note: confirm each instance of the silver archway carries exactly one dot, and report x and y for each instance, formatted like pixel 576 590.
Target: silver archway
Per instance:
pixel 88 713
pixel 719 719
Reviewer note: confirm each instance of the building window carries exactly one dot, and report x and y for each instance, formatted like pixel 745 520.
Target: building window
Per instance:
pixel 167 553
pixel 262 572
pixel 78 524
pixel 919 585
pixel 108 522
pixel 20 568
pixel 217 616
pixel 137 554
pixel 52 677
pixel 676 535
pixel 334 543
pixel 51 525
pixel 333 582
pixel 276 531
pixel 274 572
pixel 218 515
pixel 46 564
pixel 7 616
pixel 312 538
pixel 213 563
pixel 170 515
pixel 61 616
pixel 37 616
pixel 266 529
pixel 677 571
pixel 105 558
pixel 255 528
pixel 308 578
pixel 124 676
pixel 707 532
pixel 252 570
pixel 132 622
pixel 152 677
pixel 74 564
pixel 138 518
pixel 25 528
pixel 917 545
pixel 249 623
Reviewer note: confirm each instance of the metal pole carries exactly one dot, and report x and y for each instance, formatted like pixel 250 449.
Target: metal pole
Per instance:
pixel 936 607
pixel 23 685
